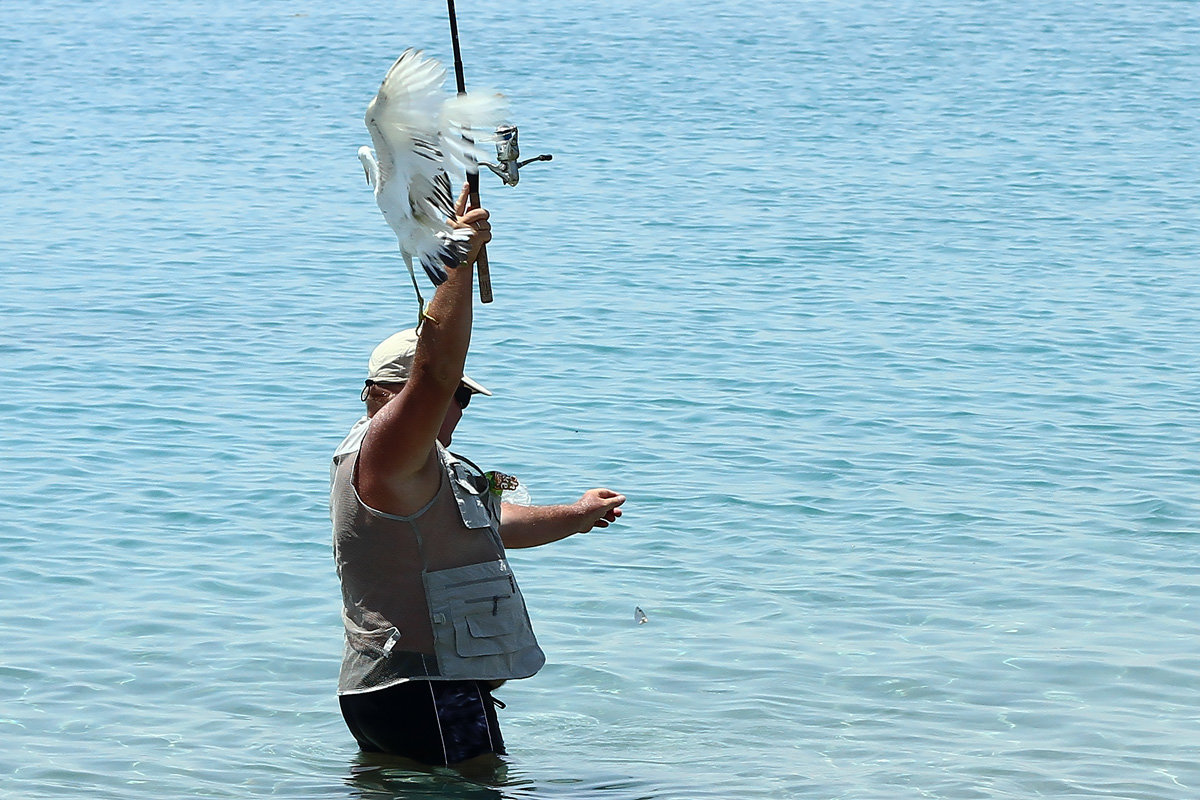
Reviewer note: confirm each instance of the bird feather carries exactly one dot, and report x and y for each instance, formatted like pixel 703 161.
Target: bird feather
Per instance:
pixel 421 136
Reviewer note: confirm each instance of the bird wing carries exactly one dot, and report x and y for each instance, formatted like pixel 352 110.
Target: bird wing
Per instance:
pixel 403 116
pixel 469 121
pixel 420 135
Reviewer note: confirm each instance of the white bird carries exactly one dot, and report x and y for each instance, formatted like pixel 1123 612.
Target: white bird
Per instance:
pixel 421 135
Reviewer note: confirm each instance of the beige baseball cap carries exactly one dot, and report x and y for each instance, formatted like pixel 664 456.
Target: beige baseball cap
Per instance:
pixel 391 361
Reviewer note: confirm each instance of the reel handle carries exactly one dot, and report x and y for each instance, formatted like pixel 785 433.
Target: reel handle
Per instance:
pixel 508 153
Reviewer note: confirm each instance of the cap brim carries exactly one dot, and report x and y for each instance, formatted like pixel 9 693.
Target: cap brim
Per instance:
pixel 475 386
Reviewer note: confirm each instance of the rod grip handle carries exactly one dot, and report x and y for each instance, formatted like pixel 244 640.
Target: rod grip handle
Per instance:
pixel 485 276
pixel 481 262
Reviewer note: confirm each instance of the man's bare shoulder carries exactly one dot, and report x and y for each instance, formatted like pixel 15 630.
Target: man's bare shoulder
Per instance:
pixel 392 491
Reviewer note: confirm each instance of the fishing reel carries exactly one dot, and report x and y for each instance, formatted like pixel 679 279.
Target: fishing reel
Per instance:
pixel 508 153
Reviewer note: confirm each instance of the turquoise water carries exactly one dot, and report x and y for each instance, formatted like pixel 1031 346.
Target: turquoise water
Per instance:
pixel 884 316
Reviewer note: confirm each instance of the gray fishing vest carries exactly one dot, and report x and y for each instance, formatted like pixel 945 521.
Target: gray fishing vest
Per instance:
pixel 429 595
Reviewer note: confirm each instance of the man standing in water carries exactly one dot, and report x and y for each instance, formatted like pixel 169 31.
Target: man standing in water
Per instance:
pixel 434 619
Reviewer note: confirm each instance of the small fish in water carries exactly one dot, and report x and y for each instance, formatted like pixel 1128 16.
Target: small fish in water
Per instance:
pixel 640 616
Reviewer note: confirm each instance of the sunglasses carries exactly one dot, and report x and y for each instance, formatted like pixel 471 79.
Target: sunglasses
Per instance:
pixel 462 396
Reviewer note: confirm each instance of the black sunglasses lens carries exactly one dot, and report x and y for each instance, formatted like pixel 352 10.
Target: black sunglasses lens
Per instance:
pixel 462 396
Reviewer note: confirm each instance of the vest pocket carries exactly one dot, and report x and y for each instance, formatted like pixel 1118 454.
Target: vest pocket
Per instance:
pixel 471 493
pixel 485 634
pixel 480 626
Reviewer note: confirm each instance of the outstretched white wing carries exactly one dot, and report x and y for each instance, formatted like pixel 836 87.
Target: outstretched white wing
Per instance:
pixel 421 136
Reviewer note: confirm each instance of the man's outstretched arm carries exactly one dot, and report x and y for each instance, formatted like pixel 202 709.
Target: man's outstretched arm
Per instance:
pixel 530 526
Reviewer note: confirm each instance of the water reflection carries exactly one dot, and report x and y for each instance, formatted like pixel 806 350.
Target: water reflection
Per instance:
pixel 374 776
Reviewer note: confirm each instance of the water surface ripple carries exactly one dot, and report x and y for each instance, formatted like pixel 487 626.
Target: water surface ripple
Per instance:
pixel 883 314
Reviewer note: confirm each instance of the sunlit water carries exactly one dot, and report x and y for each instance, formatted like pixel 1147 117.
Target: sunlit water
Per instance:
pixel 884 316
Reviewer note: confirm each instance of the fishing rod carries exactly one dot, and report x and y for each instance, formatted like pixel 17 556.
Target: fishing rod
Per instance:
pixel 508 153
pixel 481 263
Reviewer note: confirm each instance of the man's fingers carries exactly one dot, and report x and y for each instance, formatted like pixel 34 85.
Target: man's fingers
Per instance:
pixel 478 239
pixel 476 217
pixel 609 498
pixel 460 205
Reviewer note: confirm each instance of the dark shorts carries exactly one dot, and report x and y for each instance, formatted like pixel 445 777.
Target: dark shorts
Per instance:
pixel 434 722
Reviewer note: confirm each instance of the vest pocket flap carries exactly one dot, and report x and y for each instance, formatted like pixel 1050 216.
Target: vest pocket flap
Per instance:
pixel 486 626
pixel 471 492
pixel 472 505
pixel 484 634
